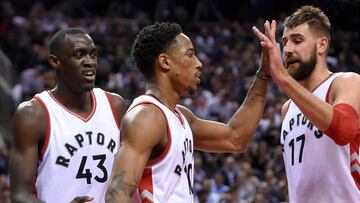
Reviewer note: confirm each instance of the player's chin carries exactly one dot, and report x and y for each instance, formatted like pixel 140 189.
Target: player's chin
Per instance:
pixel 193 90
pixel 88 86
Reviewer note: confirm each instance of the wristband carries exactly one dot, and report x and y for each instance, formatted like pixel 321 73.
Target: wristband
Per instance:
pixel 260 75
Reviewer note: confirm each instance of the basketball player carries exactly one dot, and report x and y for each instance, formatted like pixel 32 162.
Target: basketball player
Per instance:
pixel 65 139
pixel 320 129
pixel 160 136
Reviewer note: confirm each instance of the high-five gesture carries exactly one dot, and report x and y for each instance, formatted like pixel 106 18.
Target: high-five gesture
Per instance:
pixel 270 46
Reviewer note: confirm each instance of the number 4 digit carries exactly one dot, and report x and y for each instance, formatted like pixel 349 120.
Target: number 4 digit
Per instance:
pixel 81 174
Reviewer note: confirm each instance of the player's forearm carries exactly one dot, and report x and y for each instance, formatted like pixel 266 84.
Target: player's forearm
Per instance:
pixel 255 98
pixel 17 197
pixel 318 112
pixel 21 181
pixel 119 189
pixel 246 119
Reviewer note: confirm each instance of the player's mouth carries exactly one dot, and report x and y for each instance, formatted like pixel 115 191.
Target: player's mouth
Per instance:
pixel 198 77
pixel 291 62
pixel 89 75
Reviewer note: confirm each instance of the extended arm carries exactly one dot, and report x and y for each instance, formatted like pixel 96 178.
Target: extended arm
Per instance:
pixel 231 137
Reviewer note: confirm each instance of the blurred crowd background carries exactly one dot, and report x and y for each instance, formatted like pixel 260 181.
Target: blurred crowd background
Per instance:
pixel 222 36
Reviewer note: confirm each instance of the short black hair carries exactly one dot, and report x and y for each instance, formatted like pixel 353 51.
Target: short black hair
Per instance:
pixel 59 37
pixel 152 41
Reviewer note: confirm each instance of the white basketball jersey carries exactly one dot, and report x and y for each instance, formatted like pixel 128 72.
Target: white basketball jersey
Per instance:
pixel 169 178
pixel 317 169
pixel 79 151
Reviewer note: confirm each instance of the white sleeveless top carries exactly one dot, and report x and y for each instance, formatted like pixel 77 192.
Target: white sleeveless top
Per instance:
pixel 317 169
pixel 169 178
pixel 78 153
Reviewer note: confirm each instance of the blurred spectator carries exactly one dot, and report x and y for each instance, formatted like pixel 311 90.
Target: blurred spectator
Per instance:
pixel 199 174
pixel 221 110
pixel 230 170
pixel 218 188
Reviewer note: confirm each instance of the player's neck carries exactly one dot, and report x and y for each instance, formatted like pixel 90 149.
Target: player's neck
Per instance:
pixel 75 101
pixel 161 93
pixel 319 75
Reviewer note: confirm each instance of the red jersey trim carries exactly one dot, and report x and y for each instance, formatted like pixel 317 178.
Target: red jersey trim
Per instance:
pixel 83 118
pixel 113 109
pixel 354 152
pixel 287 107
pixel 34 192
pixel 168 144
pixel 322 82
pixel 180 116
pixel 318 87
pixel 48 127
pixel 177 112
pixel 146 187
pixel 328 92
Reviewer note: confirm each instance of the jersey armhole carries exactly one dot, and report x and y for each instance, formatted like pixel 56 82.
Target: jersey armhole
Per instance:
pixel 48 127
pixel 327 98
pixel 113 109
pixel 168 144
pixel 285 108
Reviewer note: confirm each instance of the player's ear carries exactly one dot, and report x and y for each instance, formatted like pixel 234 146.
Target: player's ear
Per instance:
pixel 322 45
pixel 163 61
pixel 54 61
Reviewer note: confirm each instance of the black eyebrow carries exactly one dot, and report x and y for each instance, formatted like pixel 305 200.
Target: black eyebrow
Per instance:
pixel 82 49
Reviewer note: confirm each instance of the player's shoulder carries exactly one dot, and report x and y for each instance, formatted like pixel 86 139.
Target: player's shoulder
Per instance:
pixel 116 98
pixel 31 107
pixel 344 85
pixel 144 114
pixel 345 81
pixel 145 111
pixel 351 77
pixel 30 113
pixel 111 95
pixel 147 120
pixel 118 102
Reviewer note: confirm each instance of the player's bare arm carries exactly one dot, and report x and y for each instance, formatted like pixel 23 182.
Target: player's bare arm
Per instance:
pixel 233 136
pixel 139 146
pixel 29 126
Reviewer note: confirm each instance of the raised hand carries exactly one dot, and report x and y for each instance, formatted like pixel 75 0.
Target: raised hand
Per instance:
pixel 82 199
pixel 264 61
pixel 272 48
